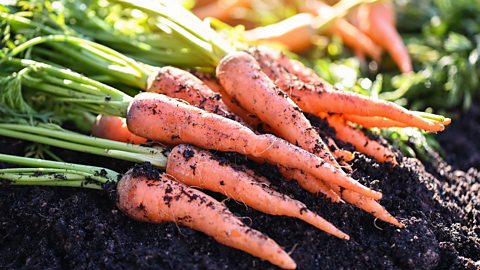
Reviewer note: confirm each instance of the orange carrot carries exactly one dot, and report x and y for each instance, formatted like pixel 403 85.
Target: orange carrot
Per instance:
pixel 313 186
pixel 349 34
pixel 178 83
pixel 378 22
pixel 373 121
pixel 294 33
pixel 342 154
pixel 317 96
pixel 114 128
pixel 162 199
pixel 212 82
pixel 220 9
pixel 359 140
pixel 197 167
pixel 367 204
pixel 242 79
pixel 355 39
pixel 164 119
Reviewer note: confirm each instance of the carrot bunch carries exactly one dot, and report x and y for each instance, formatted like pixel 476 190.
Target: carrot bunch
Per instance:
pixel 264 87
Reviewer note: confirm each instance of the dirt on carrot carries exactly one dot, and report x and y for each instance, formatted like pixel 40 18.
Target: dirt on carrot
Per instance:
pixel 161 199
pixel 161 118
pixel 199 168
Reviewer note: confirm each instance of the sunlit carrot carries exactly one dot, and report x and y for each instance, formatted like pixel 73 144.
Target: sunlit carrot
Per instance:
pixel 359 140
pixel 372 121
pixel 367 204
pixel 197 167
pixel 164 119
pixel 242 78
pixel 220 9
pixel 115 128
pixel 178 83
pixel 313 186
pixel 314 95
pixel 341 154
pixel 160 199
pixel 378 22
pixel 294 33
pixel 349 34
pixel 212 82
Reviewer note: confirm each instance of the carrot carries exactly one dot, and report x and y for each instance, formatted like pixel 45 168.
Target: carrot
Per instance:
pixel 294 33
pixel 373 121
pixel 359 140
pixel 342 154
pixel 220 9
pixel 349 34
pixel 355 39
pixel 197 167
pixel 313 186
pixel 314 95
pixel 212 82
pixel 378 22
pixel 367 204
pixel 159 199
pixel 161 118
pixel 242 79
pixel 178 83
pixel 115 128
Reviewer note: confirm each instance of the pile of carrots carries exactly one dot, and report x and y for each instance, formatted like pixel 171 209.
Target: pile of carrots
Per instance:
pixel 254 105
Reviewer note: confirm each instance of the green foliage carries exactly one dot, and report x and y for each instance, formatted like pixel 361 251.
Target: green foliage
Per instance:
pixel 443 38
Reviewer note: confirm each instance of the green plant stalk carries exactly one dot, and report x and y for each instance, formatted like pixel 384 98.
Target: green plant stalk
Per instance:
pixel 155 156
pixel 52 173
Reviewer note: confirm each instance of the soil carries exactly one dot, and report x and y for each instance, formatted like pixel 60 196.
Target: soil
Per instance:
pixel 439 203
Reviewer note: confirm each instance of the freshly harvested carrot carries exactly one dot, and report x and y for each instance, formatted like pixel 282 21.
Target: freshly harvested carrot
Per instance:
pixel 340 153
pixel 367 204
pixel 220 9
pixel 164 119
pixel 160 199
pixel 212 82
pixel 312 186
pixel 178 83
pixel 349 34
pixel 378 22
pixel 115 128
pixel 242 78
pixel 359 140
pixel 314 95
pixel 197 167
pixel 294 33
pixel 354 38
pixel 372 121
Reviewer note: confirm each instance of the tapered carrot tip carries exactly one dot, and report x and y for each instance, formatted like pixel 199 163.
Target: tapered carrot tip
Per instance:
pixel 322 224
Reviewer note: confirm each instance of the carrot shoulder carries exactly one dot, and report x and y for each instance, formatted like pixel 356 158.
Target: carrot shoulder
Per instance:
pixel 197 167
pixel 162 199
pixel 178 83
pixel 115 128
pixel 212 82
pixel 164 119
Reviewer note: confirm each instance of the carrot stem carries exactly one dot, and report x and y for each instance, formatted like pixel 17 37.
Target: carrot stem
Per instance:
pixel 82 143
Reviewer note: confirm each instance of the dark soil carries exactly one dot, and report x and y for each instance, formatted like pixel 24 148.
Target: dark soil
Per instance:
pixel 71 228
